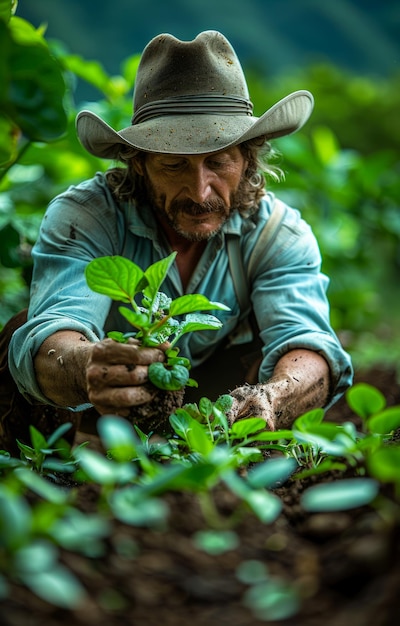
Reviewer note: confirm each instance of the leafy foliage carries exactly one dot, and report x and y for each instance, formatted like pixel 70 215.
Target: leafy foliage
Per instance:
pixel 153 321
pixel 39 517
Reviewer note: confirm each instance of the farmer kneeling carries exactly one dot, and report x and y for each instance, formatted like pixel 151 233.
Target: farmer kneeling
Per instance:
pixel 191 180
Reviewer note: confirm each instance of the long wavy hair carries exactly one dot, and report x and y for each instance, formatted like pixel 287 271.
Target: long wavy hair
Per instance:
pixel 128 186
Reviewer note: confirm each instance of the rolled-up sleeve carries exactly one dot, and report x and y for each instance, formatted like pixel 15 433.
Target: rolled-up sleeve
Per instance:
pixel 291 306
pixel 60 298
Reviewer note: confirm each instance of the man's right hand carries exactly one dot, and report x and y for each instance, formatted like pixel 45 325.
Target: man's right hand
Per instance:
pixel 71 371
pixel 116 374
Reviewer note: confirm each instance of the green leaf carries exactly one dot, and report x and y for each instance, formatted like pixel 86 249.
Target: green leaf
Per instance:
pixel 114 276
pixel 36 557
pixel 59 433
pixel 191 431
pixel 199 321
pixel 10 240
pixel 274 435
pixel 340 495
pixel 265 505
pixel 137 320
pixel 273 600
pixel 38 441
pixel 103 471
pixel 326 144
pixel 365 400
pixel 205 407
pixel 328 465
pixel 41 486
pixel 245 427
pixel 272 473
pixel 36 88
pixel 156 274
pixel 130 508
pixel 179 477
pixel 216 542
pixel 251 572
pixel 384 464
pixel 81 532
pixel 23 32
pixel 8 153
pixel 15 518
pixel 118 437
pixel 330 438
pixel 5 10
pixel 308 420
pixel 93 72
pixel 190 303
pixel 117 336
pixel 224 402
pixel 385 422
pixel 220 419
pixel 168 378
pixel 7 461
pixel 58 586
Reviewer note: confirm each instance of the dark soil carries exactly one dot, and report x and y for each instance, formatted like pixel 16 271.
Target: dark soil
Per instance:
pixel 345 565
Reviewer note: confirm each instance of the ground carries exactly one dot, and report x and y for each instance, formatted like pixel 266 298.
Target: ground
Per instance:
pixel 346 565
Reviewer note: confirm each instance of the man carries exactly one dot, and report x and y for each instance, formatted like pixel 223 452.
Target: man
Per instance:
pixel 190 183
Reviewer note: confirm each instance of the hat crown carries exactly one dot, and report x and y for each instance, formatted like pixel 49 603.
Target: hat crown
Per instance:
pixel 170 68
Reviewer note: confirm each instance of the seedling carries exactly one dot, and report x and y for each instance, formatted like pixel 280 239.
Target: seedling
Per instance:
pixel 157 319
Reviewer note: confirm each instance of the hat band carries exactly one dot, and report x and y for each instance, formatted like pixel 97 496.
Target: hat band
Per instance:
pixel 210 104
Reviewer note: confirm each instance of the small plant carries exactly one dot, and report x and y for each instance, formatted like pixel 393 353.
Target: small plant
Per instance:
pixel 155 318
pixel 40 454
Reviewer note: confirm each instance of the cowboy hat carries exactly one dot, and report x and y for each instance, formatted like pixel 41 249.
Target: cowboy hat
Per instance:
pixel 191 97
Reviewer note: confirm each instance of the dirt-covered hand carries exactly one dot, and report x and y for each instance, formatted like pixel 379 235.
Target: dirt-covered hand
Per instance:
pixel 117 374
pixel 300 382
pixel 252 401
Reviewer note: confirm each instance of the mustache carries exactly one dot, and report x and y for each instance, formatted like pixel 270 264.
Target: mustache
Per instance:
pixel 193 208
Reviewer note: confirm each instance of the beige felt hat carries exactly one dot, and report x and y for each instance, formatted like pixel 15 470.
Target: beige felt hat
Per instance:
pixel 191 97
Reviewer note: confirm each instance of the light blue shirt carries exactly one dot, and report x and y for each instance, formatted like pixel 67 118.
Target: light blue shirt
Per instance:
pixel 288 293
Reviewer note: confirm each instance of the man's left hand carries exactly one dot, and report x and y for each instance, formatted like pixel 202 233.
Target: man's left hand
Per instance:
pixel 300 382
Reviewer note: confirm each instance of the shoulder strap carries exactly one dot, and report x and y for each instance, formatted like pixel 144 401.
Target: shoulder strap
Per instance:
pixel 241 281
pixel 267 235
pixel 237 272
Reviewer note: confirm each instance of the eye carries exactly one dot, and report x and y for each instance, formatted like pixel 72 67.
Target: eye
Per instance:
pixel 172 166
pixel 216 163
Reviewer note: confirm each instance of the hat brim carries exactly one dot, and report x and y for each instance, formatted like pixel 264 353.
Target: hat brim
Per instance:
pixel 194 134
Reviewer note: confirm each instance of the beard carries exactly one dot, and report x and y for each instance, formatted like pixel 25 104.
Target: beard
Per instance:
pixel 180 208
pixel 217 208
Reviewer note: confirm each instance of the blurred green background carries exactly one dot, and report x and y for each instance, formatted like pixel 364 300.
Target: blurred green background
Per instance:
pixel 342 169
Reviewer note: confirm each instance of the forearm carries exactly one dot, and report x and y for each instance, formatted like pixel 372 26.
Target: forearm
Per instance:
pixel 60 368
pixel 300 383
pixel 112 376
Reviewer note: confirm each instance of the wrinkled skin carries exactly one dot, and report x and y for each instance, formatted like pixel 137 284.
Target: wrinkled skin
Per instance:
pixel 300 383
pixel 112 376
pixel 117 374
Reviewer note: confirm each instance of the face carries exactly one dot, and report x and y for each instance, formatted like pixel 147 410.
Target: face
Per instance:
pixel 194 194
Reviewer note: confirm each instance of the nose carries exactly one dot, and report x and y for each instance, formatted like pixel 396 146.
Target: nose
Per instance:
pixel 198 183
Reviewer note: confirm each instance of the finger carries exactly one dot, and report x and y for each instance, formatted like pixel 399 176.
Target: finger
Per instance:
pixel 99 376
pixel 116 398
pixel 112 352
